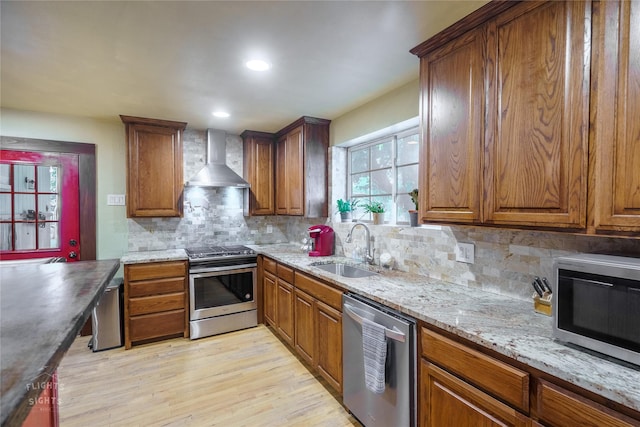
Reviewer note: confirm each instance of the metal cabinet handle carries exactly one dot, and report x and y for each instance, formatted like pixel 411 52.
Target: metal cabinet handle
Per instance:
pixel 393 334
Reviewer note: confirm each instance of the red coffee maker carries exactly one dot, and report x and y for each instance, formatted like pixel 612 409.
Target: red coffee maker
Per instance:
pixel 322 236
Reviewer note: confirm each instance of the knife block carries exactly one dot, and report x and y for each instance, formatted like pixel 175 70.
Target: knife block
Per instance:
pixel 543 304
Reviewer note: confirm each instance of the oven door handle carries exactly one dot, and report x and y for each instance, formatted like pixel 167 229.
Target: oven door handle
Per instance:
pixel 229 268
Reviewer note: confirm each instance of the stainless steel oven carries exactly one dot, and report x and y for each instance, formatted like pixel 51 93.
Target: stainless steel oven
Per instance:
pixel 222 290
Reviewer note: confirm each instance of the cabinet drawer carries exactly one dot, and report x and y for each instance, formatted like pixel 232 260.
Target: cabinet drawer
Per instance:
pixel 155 270
pixel 157 325
pixel 497 378
pixel 285 273
pixel 269 265
pixel 325 293
pixel 560 407
pixel 156 304
pixel 156 287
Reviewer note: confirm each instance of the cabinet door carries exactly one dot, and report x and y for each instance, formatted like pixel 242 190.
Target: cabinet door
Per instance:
pixel 295 172
pixel 449 401
pixel 329 344
pixel 537 115
pixel 259 172
pixel 154 176
pixel 282 185
pixel 616 128
pixel 289 174
pixel 452 80
pixel 305 337
pixel 284 307
pixel 269 287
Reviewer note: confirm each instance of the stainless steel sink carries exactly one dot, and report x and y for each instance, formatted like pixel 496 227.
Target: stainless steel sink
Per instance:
pixel 344 270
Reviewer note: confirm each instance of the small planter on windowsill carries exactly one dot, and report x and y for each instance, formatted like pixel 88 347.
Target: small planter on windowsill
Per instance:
pixel 376 209
pixel 345 207
pixel 413 214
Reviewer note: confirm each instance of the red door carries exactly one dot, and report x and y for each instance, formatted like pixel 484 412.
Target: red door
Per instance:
pixel 39 207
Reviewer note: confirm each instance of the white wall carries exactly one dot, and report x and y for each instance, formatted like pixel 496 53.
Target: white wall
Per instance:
pixel 109 138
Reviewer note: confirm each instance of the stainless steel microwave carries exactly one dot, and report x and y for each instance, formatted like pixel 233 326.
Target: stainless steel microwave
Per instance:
pixel 597 304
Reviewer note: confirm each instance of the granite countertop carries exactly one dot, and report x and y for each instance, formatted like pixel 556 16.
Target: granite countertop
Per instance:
pixel 154 256
pixel 43 307
pixel 506 325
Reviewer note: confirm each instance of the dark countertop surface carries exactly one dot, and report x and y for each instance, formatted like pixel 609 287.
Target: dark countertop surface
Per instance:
pixel 43 307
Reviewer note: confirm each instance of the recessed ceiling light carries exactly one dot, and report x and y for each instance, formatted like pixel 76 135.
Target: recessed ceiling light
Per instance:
pixel 258 65
pixel 221 114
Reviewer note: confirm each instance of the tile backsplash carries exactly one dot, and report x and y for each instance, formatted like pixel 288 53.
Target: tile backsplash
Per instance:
pixel 505 260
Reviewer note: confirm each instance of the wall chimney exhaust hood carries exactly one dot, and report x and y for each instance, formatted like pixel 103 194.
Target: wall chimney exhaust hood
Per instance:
pixel 215 172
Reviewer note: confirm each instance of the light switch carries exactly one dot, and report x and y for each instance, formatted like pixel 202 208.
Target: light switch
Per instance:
pixel 115 199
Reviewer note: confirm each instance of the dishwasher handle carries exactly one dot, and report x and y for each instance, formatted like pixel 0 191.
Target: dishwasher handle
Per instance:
pixel 389 333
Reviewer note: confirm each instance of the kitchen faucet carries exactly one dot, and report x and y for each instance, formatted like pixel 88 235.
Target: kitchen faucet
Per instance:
pixel 369 255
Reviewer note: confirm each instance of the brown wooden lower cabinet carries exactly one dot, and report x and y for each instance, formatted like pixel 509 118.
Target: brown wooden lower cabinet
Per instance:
pixel 284 307
pixel 329 344
pixel 562 408
pixel 156 301
pixel 449 401
pixel 305 335
pixel 269 289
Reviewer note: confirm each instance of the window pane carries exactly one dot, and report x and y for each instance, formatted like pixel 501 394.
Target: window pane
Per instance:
pixel 404 204
pixel 48 179
pixel 48 207
pixel 25 208
pixel 24 179
pixel 5 184
pixel 48 236
pixel 407 178
pixel 381 181
pixel 387 202
pixel 381 155
pixel 358 213
pixel 25 235
pixel 408 149
pixel 360 160
pixel 5 237
pixel 5 207
pixel 360 184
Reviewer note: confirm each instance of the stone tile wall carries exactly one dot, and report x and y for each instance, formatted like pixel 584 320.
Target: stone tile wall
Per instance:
pixel 505 260
pixel 212 215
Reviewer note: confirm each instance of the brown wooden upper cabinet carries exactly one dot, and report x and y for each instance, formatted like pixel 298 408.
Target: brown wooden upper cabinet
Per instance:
pixel 505 118
pixel 298 168
pixel 258 170
pixel 614 198
pixel 155 182
pixel 301 168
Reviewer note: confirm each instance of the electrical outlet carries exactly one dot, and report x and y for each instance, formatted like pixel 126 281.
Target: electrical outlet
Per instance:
pixel 115 199
pixel 269 229
pixel 465 252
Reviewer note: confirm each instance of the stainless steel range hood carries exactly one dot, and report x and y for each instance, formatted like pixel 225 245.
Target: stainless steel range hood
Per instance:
pixel 215 172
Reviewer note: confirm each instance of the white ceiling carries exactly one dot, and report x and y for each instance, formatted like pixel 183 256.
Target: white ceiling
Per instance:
pixel 181 60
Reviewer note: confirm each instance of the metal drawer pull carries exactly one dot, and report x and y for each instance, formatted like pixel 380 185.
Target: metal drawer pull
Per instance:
pixel 393 334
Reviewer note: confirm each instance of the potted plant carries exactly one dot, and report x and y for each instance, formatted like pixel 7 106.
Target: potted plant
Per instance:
pixel 345 207
pixel 413 214
pixel 377 211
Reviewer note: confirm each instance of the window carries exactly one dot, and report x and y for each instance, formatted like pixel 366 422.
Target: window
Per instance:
pixel 384 170
pixel 29 207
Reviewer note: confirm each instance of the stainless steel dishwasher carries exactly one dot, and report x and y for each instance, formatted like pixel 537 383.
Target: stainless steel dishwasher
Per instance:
pixel 396 405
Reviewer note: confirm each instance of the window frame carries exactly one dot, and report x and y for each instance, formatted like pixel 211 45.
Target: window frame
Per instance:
pixel 390 215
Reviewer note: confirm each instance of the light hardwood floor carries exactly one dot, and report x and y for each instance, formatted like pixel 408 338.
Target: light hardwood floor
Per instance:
pixel 244 378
